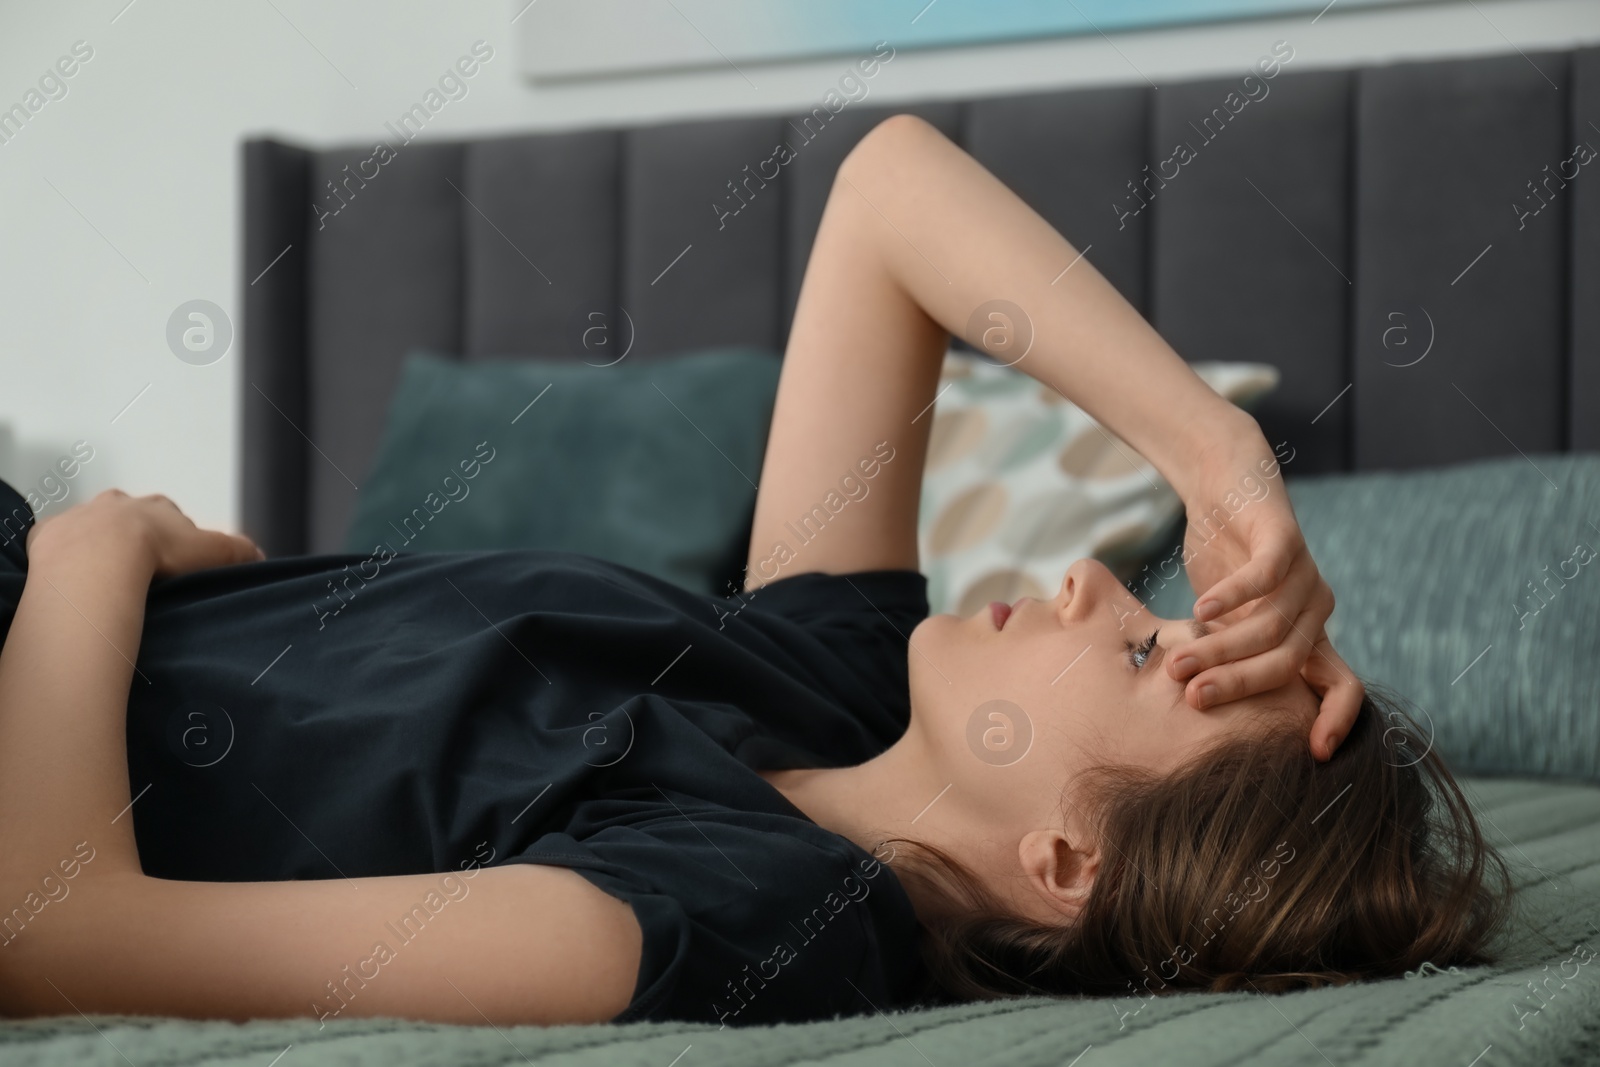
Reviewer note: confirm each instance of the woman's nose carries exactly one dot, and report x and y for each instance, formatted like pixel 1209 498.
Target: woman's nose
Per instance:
pixel 1082 589
pixel 1089 587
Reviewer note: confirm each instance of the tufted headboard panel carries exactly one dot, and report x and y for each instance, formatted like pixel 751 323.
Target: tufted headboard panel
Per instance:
pixel 1416 246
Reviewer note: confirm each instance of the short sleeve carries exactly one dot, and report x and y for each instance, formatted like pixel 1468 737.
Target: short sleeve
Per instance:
pixel 861 624
pixel 897 599
pixel 16 519
pixel 663 925
pixel 746 918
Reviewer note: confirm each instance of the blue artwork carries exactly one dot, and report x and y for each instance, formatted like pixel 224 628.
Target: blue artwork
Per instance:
pixel 584 38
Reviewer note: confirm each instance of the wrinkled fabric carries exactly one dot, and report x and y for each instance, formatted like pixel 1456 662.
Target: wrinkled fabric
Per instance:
pixel 328 717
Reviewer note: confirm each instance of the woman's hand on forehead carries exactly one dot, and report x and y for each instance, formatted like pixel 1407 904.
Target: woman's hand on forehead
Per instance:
pixel 1264 598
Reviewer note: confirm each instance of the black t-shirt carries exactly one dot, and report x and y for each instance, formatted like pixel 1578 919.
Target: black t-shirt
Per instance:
pixel 340 716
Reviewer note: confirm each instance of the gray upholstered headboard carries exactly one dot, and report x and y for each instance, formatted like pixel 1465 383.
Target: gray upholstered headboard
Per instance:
pixel 1338 227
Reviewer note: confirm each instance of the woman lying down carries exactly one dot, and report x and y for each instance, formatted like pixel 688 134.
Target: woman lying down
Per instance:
pixel 532 787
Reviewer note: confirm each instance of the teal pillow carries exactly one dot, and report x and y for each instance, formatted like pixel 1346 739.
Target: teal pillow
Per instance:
pixel 651 464
pixel 1474 592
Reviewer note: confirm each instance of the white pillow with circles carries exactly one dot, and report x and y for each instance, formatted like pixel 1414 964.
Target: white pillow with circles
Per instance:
pixel 1020 483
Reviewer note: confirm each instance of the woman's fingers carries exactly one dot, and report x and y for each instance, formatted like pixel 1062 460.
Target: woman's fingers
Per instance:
pixel 1274 666
pixel 1268 614
pixel 1293 613
pixel 183 547
pixel 1243 678
pixel 169 540
pixel 243 550
pixel 1342 694
pixel 1269 563
pixel 214 548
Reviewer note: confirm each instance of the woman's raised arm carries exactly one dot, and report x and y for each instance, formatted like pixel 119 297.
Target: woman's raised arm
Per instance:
pixel 82 928
pixel 919 241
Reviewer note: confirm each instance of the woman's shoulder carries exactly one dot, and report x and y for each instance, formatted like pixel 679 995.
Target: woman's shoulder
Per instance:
pixel 749 918
pixel 843 595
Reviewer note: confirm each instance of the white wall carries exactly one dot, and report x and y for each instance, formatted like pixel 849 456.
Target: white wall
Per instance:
pixel 144 147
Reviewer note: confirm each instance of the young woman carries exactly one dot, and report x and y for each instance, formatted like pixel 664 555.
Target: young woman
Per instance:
pixel 533 787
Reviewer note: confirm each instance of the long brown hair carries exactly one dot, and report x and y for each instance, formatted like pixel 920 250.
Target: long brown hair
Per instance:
pixel 1250 865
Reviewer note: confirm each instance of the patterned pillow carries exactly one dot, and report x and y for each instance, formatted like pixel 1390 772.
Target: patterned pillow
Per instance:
pixel 1020 483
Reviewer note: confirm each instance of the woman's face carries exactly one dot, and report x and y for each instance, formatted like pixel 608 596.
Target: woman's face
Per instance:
pixel 1016 701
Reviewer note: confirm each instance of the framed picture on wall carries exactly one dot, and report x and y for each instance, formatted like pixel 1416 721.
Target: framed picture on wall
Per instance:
pixel 568 39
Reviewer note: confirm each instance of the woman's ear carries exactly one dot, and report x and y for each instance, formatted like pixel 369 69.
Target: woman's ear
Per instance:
pixel 1060 872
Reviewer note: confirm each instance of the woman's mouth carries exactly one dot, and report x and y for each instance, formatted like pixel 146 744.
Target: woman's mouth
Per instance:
pixel 1000 612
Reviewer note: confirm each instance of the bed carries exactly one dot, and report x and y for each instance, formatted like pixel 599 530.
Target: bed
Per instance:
pixel 1312 224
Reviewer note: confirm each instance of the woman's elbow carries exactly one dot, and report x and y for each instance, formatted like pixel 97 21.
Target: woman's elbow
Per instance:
pixel 52 936
pixel 894 140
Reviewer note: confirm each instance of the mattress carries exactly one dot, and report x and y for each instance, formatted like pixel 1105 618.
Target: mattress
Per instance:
pixel 1539 1005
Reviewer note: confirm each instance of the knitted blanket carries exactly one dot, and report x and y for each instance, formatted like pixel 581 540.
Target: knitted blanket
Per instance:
pixel 1540 1005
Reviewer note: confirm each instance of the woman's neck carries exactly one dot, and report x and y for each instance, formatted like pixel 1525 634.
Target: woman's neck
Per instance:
pixel 896 794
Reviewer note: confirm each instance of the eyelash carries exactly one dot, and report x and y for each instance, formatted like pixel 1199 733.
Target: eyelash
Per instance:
pixel 1141 650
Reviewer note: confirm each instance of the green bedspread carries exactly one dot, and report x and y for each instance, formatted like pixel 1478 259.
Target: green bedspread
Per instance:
pixel 1485 1017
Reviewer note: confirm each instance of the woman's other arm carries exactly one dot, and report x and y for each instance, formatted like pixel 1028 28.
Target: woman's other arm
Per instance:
pixel 83 929
pixel 916 241
pixel 915 238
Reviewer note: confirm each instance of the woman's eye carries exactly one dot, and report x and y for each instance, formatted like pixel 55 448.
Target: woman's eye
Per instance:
pixel 1139 654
